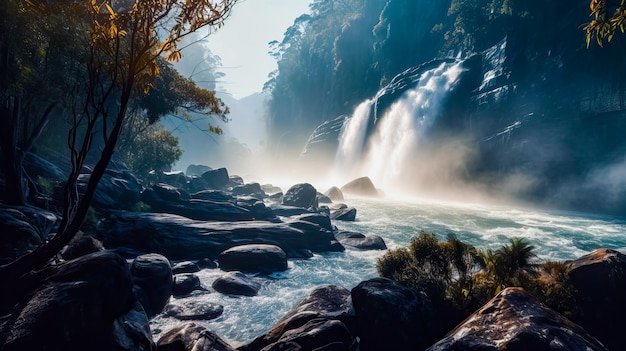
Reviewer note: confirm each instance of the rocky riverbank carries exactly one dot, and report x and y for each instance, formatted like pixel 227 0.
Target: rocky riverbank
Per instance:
pixel 136 265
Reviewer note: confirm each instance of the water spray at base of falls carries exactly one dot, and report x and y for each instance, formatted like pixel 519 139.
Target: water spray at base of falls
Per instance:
pixel 389 153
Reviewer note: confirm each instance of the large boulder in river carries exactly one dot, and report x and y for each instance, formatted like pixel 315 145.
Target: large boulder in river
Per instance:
pixel 180 238
pixel 301 195
pixel 153 282
pixel 344 214
pixel 253 258
pixel 360 241
pixel 361 186
pixel 324 303
pixel 216 179
pixel 334 194
pixel 599 282
pixel 190 336
pixel 250 189
pixel 515 320
pixel 79 305
pixel 391 316
pixel 236 283
pixel 193 309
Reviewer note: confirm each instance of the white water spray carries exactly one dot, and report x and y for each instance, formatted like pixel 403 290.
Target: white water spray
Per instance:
pixel 390 152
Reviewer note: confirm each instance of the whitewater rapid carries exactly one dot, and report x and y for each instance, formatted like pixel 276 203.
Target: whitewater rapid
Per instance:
pixel 557 236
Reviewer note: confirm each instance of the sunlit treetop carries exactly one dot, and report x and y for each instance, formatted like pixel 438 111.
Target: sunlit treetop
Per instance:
pixel 607 19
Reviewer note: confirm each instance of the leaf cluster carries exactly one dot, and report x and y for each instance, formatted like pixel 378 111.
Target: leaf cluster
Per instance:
pixel 607 19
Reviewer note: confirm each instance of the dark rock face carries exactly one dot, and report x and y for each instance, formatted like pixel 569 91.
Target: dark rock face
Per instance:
pixel 216 179
pixel 393 317
pixel 323 199
pixel 184 284
pixel 251 189
pixel 345 214
pixel 325 303
pixel 301 195
pixel 323 141
pixel 314 335
pixel 334 194
pixel 190 336
pixel 203 210
pixel 214 195
pixel 132 330
pixel 179 238
pixel 22 229
pixel 185 267
pixel 360 241
pixel 196 170
pixel 236 283
pixel 76 306
pixel 206 263
pixel 361 186
pixel 118 189
pixel 170 193
pixel 191 309
pixel 153 282
pixel 253 258
pixel 514 320
pixel 599 281
pixel 315 218
pixel 80 247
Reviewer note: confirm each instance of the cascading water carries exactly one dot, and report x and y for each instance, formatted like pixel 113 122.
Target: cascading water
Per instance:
pixel 352 139
pixel 389 151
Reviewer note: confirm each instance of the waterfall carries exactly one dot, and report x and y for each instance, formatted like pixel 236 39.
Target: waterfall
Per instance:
pixel 352 139
pixel 390 151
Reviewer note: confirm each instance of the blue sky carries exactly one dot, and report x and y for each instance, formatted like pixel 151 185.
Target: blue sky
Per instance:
pixel 242 42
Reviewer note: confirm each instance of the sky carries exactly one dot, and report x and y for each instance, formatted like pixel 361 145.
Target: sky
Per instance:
pixel 242 42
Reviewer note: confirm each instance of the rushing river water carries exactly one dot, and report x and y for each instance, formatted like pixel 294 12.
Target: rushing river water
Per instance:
pixel 556 236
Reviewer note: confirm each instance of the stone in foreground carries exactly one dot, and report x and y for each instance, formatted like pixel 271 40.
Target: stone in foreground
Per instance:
pixel 190 336
pixel 236 283
pixel 252 258
pixel 515 320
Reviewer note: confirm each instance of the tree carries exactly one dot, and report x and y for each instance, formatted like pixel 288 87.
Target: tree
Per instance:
pixel 123 42
pixel 607 19
pixel 512 264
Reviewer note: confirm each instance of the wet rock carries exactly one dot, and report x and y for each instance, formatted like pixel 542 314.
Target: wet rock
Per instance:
pixel 324 303
pixel 206 263
pixel 236 283
pixel 184 284
pixel 323 199
pixel 132 330
pixel 360 241
pixel 80 247
pixel 313 335
pixel 214 195
pixel 190 336
pixel 301 195
pixel 250 189
pixel 153 282
pixel 216 179
pixel 253 258
pixel 288 211
pixel 170 193
pixel 315 218
pixel 180 238
pixel 185 267
pixel 361 186
pixel 193 309
pixel 599 282
pixel 391 316
pixel 76 306
pixel 345 214
pixel 515 320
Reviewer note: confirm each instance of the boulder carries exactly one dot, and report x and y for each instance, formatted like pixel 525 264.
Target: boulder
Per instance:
pixel 203 210
pixel 193 309
pixel 288 211
pixel 185 267
pixel 315 334
pixel 206 263
pixel 17 235
pixel 132 330
pixel 37 166
pixel 214 195
pixel 271 189
pixel 196 170
pixel 360 241
pixel 515 320
pixel 323 303
pixel 80 247
pixel 391 316
pixel 190 336
pixel 361 186
pixel 118 189
pixel 250 189
pixel 315 218
pixel 153 282
pixel 301 195
pixel 323 199
pixel 176 179
pixel 254 258
pixel 344 214
pixel 170 193
pixel 77 305
pixel 334 194
pixel 180 238
pixel 184 284
pixel 599 282
pixel 196 184
pixel 216 179
pixel 236 283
